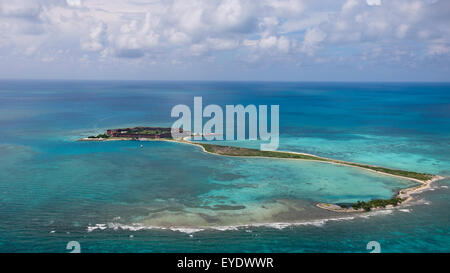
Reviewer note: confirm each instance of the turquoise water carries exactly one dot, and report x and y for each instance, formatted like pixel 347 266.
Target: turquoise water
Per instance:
pixel 169 197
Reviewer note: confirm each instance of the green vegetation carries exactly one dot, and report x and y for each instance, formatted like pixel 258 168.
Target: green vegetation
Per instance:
pixel 146 132
pixel 100 136
pixel 344 205
pixel 164 133
pixel 248 152
pixel 378 203
pixel 236 151
pixel 419 176
pixel 367 206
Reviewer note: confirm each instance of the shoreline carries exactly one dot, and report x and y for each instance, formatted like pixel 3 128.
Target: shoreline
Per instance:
pixel 404 194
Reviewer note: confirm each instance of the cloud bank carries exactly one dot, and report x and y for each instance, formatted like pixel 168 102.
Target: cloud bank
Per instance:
pixel 114 38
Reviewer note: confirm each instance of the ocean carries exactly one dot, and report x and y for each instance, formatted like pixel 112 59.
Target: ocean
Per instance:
pixel 170 197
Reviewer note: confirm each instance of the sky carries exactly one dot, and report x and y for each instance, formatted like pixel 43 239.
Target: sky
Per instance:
pixel 242 40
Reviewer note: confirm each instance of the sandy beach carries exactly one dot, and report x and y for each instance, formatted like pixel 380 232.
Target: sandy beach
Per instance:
pixel 405 194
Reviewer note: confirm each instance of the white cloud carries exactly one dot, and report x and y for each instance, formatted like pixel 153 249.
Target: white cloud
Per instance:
pixel 137 36
pixel 97 38
pixel 222 44
pixel 250 42
pixel 268 42
pixel 19 8
pixel 265 30
pixel 230 14
pixel 438 48
pixel 198 49
pixel 30 50
pixel 312 40
pixel 177 37
pixel 402 30
pixel 283 44
pixel 349 5
pixel 286 7
pixel 74 3
pixel 373 2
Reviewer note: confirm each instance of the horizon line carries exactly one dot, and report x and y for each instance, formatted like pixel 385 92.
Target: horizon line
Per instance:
pixel 223 81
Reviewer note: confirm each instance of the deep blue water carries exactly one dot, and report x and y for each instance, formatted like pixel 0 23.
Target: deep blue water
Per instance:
pixel 167 197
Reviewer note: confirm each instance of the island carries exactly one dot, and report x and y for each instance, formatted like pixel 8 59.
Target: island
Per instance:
pixel 165 134
pixel 135 133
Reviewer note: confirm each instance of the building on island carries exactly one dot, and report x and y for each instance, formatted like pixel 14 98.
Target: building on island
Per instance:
pixel 142 132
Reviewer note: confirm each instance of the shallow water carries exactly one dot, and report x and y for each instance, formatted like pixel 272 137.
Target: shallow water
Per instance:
pixel 54 189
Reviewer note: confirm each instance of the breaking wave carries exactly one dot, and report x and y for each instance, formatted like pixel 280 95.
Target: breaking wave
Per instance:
pixel 276 225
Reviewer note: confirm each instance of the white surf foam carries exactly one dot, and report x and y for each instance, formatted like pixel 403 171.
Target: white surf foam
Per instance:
pixel 245 227
pixel 275 225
